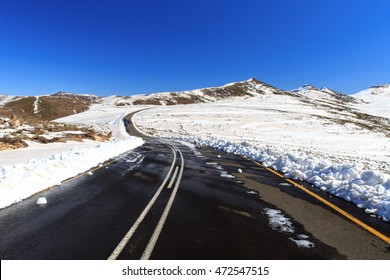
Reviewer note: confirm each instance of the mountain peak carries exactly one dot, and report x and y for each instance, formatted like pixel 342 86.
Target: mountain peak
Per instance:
pixel 254 80
pixel 381 87
pixel 313 92
pixel 309 87
pixel 249 81
pixel 325 89
pixel 378 90
pixel 62 93
pixel 303 88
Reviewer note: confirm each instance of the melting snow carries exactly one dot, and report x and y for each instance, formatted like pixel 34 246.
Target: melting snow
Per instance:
pixel 302 243
pixel 279 222
pixel 227 175
pixel 252 192
pixel 41 200
pixel 36 105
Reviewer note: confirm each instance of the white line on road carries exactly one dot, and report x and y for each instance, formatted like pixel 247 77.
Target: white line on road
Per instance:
pixel 173 178
pixel 153 240
pixel 132 230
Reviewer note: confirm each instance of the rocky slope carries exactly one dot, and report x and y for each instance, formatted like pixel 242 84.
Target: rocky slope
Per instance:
pixel 48 107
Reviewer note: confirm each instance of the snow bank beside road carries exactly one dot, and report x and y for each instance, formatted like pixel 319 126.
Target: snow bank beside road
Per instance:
pixel 21 180
pixel 37 170
pixel 323 141
pixel 368 189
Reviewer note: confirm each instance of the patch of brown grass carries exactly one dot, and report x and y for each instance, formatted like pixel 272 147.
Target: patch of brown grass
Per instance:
pixel 9 143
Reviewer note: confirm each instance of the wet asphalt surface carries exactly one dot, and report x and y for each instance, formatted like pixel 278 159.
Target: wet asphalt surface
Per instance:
pixel 213 215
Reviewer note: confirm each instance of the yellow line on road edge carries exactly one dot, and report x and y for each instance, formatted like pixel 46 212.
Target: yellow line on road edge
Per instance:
pixel 334 207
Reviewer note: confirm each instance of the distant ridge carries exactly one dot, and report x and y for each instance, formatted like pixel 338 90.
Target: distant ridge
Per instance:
pixel 60 104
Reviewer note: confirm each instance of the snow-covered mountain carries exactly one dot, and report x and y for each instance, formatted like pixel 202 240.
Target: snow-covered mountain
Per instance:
pixel 234 90
pixel 61 104
pixel 376 100
pixel 48 107
pixel 90 97
pixel 323 93
pixel 379 90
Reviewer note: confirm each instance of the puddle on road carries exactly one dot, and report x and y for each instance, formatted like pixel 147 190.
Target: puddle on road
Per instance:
pixel 134 160
pixel 238 212
pixel 144 176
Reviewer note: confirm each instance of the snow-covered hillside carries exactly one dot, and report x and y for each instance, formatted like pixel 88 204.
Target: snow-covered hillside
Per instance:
pixel 6 98
pixel 311 134
pixel 229 91
pixel 377 100
pixel 324 93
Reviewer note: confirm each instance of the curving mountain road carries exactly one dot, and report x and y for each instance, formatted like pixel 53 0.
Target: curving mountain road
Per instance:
pixel 169 200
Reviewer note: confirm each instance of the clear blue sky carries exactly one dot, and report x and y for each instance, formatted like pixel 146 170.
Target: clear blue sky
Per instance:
pixel 141 46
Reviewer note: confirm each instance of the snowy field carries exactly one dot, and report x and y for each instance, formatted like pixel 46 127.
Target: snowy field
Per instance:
pixel 329 148
pixel 24 172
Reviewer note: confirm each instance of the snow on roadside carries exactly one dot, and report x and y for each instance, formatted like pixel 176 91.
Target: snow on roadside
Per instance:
pixel 302 243
pixel 368 189
pixel 279 222
pixel 21 180
pixel 330 148
pixel 38 171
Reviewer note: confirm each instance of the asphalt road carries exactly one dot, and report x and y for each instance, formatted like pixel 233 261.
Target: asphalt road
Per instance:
pixel 167 200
